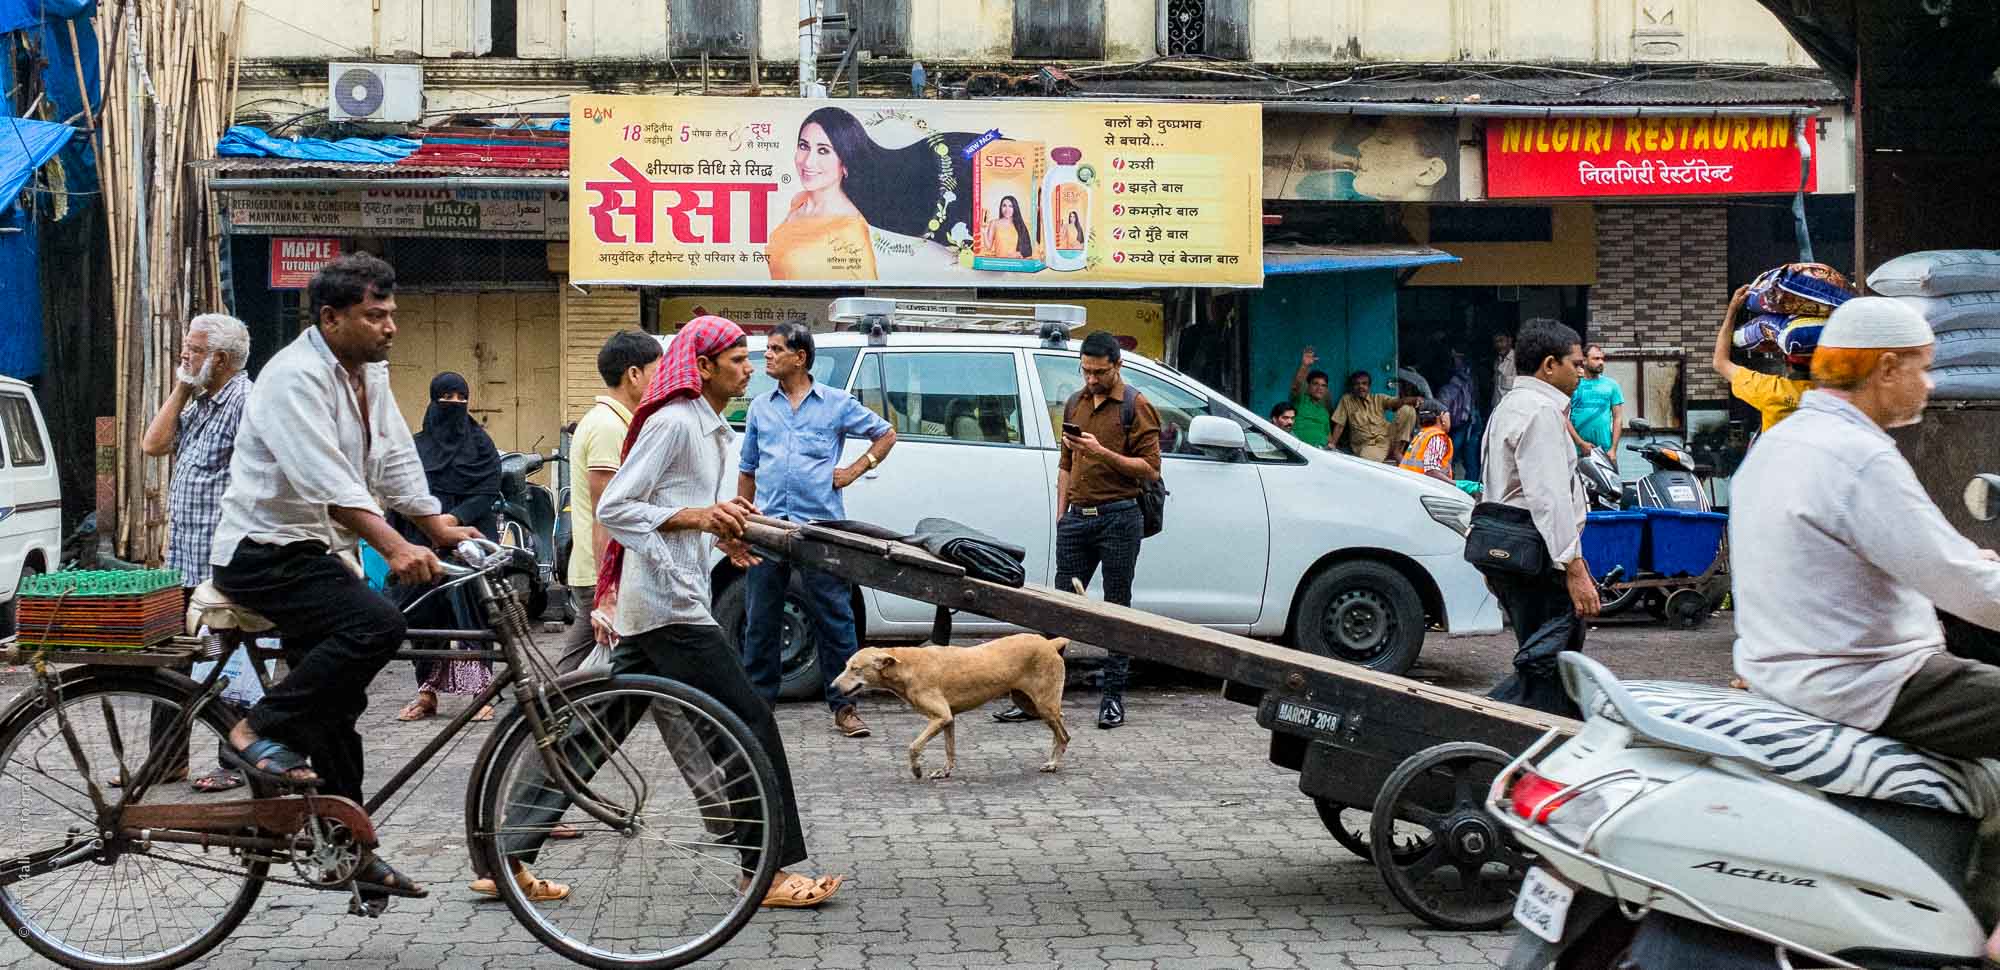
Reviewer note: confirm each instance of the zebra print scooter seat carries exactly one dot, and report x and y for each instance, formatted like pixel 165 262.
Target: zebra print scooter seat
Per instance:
pixel 1834 758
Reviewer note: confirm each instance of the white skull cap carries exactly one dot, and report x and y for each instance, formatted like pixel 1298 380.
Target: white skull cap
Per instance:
pixel 1876 322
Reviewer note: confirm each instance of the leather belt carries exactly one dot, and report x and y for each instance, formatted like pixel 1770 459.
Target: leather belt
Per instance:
pixel 1117 506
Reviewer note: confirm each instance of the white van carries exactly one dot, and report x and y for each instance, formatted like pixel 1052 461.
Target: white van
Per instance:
pixel 1346 558
pixel 30 496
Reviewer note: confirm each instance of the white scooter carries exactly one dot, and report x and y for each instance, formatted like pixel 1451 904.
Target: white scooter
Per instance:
pixel 1701 827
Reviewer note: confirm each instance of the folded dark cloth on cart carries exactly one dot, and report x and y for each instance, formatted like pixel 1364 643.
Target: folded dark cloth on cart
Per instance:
pixel 983 556
pixel 1537 681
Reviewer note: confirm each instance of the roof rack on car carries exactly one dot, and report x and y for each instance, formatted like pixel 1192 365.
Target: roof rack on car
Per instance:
pixel 879 316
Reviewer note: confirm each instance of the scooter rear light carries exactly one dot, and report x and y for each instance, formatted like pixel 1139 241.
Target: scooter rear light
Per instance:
pixel 1570 811
pixel 1535 797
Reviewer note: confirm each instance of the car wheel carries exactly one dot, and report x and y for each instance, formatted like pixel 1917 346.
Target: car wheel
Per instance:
pixel 799 663
pixel 1365 613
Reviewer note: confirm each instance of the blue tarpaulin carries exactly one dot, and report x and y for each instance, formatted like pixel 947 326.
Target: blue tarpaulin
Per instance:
pixel 20 294
pixel 1284 260
pixel 24 146
pixel 59 78
pixel 244 141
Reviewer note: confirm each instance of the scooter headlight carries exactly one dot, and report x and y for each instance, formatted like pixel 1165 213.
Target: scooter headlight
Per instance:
pixel 1571 811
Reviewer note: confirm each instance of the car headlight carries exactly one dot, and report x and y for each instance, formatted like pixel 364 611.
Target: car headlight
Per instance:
pixel 1451 513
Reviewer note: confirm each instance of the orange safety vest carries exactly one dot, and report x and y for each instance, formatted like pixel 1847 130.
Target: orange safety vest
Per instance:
pixel 1413 459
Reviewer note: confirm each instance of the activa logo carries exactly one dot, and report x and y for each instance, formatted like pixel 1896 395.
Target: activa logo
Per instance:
pixel 1760 875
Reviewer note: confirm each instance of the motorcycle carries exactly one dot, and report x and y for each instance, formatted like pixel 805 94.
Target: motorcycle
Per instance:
pixel 1690 826
pixel 527 521
pixel 1676 481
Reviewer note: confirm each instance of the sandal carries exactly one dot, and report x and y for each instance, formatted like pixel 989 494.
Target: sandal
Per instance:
pixel 565 831
pixel 420 708
pixel 282 760
pixel 378 877
pixel 179 774
pixel 793 891
pixel 538 890
pixel 219 780
pixel 485 714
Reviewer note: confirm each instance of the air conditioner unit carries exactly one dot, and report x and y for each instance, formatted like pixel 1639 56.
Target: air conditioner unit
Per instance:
pixel 374 92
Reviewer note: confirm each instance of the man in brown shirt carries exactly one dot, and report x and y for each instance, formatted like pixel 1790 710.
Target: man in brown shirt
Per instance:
pixel 1109 452
pixel 1360 417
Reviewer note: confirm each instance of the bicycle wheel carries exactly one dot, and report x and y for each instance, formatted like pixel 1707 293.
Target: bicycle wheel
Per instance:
pixel 127 905
pixel 700 852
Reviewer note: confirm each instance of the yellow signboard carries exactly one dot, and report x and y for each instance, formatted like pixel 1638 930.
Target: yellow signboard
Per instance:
pixel 769 191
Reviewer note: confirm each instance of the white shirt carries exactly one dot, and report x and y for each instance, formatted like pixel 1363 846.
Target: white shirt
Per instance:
pixel 1531 464
pixel 1840 562
pixel 1504 375
pixel 677 463
pixel 302 450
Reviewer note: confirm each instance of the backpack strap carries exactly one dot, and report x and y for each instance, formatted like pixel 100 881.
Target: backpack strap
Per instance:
pixel 1069 408
pixel 1126 410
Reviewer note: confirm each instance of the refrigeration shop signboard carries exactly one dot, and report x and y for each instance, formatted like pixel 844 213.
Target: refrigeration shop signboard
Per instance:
pixel 460 213
pixel 1543 158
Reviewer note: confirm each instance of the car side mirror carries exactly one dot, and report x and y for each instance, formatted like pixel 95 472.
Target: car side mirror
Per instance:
pixel 1982 497
pixel 1209 431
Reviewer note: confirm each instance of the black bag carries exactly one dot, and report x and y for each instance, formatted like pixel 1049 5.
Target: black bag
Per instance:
pixel 1503 539
pixel 1152 494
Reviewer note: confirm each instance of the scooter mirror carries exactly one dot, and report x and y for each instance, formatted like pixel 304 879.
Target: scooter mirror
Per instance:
pixel 1982 497
pixel 1639 425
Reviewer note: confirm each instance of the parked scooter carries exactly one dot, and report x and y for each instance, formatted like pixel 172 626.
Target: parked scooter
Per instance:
pixel 1675 482
pixel 1690 826
pixel 527 519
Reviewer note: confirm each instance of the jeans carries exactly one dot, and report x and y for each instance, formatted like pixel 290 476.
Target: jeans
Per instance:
pixel 1109 539
pixel 699 657
pixel 338 634
pixel 580 638
pixel 829 608
pixel 1468 457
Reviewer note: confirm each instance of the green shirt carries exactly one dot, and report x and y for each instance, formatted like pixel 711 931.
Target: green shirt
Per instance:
pixel 1313 423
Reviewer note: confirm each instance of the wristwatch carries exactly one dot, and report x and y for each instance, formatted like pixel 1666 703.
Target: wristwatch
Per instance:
pixel 873 462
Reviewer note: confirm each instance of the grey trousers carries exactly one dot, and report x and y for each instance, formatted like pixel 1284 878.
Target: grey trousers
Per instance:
pixel 1950 706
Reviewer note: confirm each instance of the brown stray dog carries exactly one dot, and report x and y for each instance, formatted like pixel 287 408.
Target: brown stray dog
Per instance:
pixel 940 682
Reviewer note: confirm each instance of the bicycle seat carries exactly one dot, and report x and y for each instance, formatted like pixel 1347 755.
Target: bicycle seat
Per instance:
pixel 210 607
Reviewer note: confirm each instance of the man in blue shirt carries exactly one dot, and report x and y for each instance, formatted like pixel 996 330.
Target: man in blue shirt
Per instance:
pixel 790 469
pixel 1597 407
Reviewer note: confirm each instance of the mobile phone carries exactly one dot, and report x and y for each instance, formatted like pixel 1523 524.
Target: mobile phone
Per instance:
pixel 1071 430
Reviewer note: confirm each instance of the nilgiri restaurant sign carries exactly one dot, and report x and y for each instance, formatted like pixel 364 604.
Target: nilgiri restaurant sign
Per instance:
pixel 295 259
pixel 767 191
pixel 1528 158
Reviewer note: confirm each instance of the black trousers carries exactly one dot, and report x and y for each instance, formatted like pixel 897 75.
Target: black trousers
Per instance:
pixel 1545 625
pixel 1109 539
pixel 701 658
pixel 337 633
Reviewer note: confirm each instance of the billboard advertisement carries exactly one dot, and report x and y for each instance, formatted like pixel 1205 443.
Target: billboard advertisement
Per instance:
pixel 1541 158
pixel 770 191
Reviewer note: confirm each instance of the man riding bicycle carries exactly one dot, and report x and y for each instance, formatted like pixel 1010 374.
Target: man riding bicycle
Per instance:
pixel 322 450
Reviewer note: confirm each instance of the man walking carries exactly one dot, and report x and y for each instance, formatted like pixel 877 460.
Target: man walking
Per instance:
pixel 665 509
pixel 1597 407
pixel 1362 419
pixel 790 468
pixel 197 425
pixel 626 362
pixel 1313 413
pixel 1530 463
pixel 1110 450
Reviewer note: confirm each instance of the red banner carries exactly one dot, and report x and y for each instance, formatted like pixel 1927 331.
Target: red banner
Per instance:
pixel 1538 158
pixel 294 259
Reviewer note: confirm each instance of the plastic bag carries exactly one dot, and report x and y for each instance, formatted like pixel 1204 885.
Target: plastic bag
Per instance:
pixel 1801 289
pixel 1938 272
pixel 244 688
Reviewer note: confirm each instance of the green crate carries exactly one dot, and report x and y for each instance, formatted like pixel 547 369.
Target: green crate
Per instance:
pixel 101 582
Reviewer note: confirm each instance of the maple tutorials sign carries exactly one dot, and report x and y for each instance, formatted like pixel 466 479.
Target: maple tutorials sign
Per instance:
pixel 1543 158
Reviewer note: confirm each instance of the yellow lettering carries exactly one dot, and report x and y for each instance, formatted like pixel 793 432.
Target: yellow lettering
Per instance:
pixel 1631 134
pixel 1686 126
pixel 1510 136
pixel 1560 140
pixel 1541 136
pixel 1781 132
pixel 1652 134
pixel 1591 129
pixel 1739 137
pixel 1700 140
pixel 1760 134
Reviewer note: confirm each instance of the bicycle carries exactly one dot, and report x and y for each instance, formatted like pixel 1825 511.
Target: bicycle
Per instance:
pixel 133 879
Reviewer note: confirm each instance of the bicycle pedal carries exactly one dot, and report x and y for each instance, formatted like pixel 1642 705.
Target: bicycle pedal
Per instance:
pixel 371 907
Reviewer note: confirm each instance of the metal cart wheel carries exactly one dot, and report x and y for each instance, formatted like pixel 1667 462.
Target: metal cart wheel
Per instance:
pixel 1687 608
pixel 1350 827
pixel 1469 875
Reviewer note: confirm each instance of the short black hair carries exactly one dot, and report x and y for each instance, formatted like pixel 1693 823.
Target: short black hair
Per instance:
pixel 1318 375
pixel 349 280
pixel 1281 407
pixel 797 337
pixel 1359 373
pixel 1541 339
pixel 625 350
pixel 1103 343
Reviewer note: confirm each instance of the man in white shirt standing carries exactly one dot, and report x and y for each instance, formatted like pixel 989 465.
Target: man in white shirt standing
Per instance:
pixel 1504 372
pixel 322 449
pixel 1531 464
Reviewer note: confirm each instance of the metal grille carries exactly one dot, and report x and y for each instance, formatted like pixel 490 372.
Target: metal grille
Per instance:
pixel 470 263
pixel 1187 22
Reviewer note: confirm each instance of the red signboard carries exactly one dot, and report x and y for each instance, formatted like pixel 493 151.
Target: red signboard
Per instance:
pixel 294 259
pixel 1540 158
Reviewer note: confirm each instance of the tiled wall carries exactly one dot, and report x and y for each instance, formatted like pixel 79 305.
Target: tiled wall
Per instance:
pixel 1662 281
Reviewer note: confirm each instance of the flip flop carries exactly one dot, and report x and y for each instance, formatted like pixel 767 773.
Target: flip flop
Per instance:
pixel 282 759
pixel 219 780
pixel 378 877
pixel 793 891
pixel 538 890
pixel 418 709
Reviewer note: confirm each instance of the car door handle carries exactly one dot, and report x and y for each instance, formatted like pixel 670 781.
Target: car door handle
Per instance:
pixel 871 475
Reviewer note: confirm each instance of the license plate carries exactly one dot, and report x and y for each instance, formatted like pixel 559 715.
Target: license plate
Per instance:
pixel 1543 905
pixel 1311 718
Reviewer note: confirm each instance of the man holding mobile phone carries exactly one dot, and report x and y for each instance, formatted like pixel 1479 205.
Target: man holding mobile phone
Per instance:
pixel 1107 460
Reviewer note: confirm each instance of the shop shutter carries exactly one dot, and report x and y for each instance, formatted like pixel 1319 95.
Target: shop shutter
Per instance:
pixel 1059 28
pixel 587 320
pixel 726 28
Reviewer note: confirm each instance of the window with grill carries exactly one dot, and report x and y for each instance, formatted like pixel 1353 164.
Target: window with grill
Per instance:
pixel 1059 28
pixel 465 263
pixel 1210 28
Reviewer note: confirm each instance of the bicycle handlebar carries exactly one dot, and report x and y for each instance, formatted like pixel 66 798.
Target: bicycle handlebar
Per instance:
pixel 478 555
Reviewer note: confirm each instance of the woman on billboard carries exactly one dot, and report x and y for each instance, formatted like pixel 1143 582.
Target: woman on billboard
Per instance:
pixel 1007 234
pixel 862 208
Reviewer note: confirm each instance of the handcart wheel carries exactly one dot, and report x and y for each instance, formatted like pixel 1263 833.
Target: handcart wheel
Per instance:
pixel 1350 827
pixel 1471 871
pixel 1687 608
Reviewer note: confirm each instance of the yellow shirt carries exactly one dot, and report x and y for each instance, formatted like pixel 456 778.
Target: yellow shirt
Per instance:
pixel 599 438
pixel 1367 426
pixel 821 247
pixel 1006 240
pixel 1774 397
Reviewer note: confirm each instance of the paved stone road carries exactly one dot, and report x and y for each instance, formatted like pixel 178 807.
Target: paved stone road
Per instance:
pixel 1168 844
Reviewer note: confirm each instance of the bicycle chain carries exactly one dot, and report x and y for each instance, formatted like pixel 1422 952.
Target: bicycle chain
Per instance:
pixel 272 880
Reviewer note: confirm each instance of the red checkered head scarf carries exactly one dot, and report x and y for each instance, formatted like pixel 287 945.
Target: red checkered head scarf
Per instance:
pixel 678 377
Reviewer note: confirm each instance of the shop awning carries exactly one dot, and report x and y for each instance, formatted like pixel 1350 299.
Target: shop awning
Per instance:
pixel 1290 259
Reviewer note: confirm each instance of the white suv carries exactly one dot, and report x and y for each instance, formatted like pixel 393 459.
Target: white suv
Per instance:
pixel 1329 553
pixel 30 496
